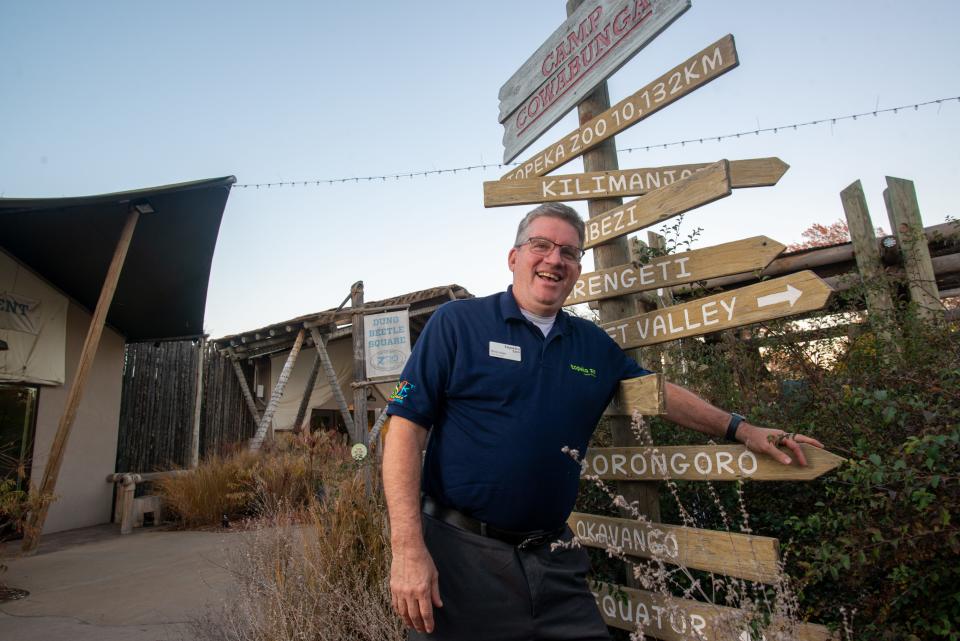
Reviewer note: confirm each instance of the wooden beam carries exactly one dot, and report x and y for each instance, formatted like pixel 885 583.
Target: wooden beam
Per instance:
pixel 197 405
pixel 755 558
pixel 265 426
pixel 307 392
pixel 361 433
pixel 703 463
pixel 51 470
pixel 904 212
pixel 244 388
pixel 321 346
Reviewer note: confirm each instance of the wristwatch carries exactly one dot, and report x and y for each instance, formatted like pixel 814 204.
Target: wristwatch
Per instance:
pixel 735 420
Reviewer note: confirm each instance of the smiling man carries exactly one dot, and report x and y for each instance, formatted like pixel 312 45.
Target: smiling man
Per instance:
pixel 501 384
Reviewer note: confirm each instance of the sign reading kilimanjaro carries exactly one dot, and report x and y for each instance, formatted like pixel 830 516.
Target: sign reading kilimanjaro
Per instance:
pixel 596 40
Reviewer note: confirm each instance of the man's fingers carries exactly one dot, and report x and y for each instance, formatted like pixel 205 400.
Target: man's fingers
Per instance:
pixel 794 446
pixel 415 616
pixel 801 438
pixel 426 615
pixel 435 596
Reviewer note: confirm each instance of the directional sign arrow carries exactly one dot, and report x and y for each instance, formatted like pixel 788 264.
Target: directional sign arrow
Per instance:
pixel 789 295
pixel 750 172
pixel 733 308
pixel 750 254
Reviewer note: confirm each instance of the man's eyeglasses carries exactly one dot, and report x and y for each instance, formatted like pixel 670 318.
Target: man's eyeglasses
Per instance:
pixel 544 247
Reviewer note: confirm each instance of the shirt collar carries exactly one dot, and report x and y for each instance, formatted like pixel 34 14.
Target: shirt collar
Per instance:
pixel 509 309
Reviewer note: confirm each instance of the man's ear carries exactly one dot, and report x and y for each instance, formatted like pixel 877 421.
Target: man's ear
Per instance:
pixel 512 258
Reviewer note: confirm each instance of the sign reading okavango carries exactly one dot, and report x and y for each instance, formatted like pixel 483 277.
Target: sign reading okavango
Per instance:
pixel 595 41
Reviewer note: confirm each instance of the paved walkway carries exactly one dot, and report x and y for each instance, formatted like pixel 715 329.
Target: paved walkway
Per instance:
pixel 95 585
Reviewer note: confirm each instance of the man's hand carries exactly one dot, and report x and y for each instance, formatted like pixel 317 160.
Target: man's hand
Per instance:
pixel 764 440
pixel 414 586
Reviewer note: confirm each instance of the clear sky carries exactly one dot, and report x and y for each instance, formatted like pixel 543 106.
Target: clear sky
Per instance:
pixel 105 96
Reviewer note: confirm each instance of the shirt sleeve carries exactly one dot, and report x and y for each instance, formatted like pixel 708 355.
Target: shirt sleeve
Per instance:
pixel 421 391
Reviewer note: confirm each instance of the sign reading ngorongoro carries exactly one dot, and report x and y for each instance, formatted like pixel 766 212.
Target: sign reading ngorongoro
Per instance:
pixel 596 40
pixel 675 619
pixel 753 172
pixel 750 254
pixel 793 294
pixel 755 558
pixel 702 463
pixel 691 74
pixel 697 189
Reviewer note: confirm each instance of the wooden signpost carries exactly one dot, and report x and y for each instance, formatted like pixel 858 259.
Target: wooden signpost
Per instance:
pixel 703 463
pixel 674 619
pixel 750 254
pixel 793 294
pixel 592 43
pixel 691 74
pixel 755 558
pixel 696 190
pixel 754 172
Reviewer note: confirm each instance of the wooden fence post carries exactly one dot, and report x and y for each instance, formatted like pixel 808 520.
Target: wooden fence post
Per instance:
pixel 604 158
pixel 197 404
pixel 359 366
pixel 904 212
pixel 265 421
pixel 51 470
pixel 307 392
pixel 879 304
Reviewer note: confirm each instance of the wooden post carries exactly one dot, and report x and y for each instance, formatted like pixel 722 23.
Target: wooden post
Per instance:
pixel 267 418
pixel 603 157
pixel 127 490
pixel 197 405
pixel 51 470
pixel 307 392
pixel 904 212
pixel 864 239
pixel 320 344
pixel 244 388
pixel 359 367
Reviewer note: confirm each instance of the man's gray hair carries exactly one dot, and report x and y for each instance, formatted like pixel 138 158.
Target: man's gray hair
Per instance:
pixel 551 210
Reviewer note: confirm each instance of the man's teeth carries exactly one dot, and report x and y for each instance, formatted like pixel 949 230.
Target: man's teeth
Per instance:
pixel 552 277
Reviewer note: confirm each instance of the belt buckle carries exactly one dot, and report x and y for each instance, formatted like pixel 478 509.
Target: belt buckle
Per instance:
pixel 534 540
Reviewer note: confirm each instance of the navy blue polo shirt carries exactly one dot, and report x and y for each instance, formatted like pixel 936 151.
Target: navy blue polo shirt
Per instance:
pixel 502 400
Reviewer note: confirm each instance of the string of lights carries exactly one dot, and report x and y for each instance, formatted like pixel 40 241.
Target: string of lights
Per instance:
pixel 665 145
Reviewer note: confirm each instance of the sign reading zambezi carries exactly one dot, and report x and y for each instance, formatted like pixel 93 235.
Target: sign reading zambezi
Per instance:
pixel 387 342
pixel 596 40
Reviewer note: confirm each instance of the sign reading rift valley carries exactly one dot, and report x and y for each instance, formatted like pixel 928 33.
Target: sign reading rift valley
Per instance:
pixel 793 294
pixel 691 74
pixel 595 41
pixel 737 257
pixel 752 172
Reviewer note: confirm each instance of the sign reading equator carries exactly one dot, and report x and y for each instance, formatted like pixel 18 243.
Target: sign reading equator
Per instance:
pixel 747 173
pixel 596 40
pixel 688 76
pixel 740 256
pixel 696 190
pixel 793 294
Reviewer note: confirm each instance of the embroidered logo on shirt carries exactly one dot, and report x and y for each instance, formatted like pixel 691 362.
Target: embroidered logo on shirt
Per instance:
pixel 401 391
pixel 586 371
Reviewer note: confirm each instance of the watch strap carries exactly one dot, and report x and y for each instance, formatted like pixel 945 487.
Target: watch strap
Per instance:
pixel 735 420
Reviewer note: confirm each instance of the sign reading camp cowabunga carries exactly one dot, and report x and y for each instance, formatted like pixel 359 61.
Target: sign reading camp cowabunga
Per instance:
pixel 387 342
pixel 691 74
pixel 596 40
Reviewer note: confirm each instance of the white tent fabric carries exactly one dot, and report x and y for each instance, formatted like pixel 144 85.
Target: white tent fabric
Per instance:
pixel 33 324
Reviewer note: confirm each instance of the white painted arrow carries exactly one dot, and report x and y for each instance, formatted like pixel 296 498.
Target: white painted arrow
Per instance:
pixel 790 294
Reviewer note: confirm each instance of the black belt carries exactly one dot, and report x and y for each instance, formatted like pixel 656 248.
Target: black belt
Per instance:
pixel 522 540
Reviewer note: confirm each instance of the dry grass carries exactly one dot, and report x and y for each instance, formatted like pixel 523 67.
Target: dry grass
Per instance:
pixel 325 579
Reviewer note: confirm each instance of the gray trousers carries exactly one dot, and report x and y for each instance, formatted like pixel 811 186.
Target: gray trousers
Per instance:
pixel 492 591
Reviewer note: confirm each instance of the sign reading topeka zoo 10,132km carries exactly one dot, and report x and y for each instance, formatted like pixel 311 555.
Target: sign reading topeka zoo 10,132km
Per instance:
pixel 386 342
pixel 595 41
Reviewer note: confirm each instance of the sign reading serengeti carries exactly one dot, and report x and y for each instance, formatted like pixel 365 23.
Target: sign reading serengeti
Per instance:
pixel 595 41
pixel 793 294
pixel 737 257
pixel 752 172
pixel 688 76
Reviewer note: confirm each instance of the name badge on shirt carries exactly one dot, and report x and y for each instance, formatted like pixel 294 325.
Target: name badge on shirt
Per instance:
pixel 502 350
